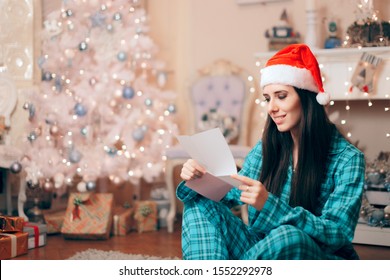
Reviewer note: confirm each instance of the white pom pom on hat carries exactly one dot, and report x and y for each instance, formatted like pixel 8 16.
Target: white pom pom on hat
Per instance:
pixel 295 65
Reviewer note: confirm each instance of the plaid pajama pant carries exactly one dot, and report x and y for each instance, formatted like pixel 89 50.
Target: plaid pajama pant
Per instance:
pixel 211 231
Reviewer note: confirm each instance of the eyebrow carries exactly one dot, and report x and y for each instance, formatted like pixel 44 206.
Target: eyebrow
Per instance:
pixel 276 92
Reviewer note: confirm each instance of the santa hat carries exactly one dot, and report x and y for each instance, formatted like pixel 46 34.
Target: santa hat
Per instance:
pixel 295 66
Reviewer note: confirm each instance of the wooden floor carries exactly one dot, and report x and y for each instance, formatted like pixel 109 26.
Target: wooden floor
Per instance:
pixel 158 243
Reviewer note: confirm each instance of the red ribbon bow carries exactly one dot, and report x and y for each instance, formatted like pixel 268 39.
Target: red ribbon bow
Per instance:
pixel 76 210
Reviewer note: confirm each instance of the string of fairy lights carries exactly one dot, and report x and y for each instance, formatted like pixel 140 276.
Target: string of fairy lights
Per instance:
pixel 385 101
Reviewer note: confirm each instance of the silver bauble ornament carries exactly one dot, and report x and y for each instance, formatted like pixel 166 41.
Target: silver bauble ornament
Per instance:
pixel 75 156
pixel 15 167
pixel 83 46
pixel 171 108
pixel 138 134
pixel 91 185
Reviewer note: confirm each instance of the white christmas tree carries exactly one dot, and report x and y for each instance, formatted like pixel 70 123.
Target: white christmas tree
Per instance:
pixel 102 109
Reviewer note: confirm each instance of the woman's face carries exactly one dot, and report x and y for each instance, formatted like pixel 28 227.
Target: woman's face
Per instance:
pixel 284 106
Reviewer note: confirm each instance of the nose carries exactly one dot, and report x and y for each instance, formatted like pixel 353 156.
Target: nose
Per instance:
pixel 272 107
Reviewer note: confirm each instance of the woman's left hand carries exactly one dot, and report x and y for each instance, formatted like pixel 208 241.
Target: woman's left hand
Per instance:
pixel 253 192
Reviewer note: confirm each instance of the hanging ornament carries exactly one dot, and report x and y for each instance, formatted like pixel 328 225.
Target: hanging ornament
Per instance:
pixel 32 136
pixel 148 102
pixel 31 111
pixel 83 46
pixel 80 110
pixel 75 156
pixel 90 185
pixel 54 130
pixel 58 84
pixel 111 151
pixel 84 131
pixel 128 92
pixel 171 108
pixel 117 16
pixel 363 77
pixel 138 134
pixel 82 186
pixel 46 76
pixel 15 167
pixel 67 13
pixel 122 56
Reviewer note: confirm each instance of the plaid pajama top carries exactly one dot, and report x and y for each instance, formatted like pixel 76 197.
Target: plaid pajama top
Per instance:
pixel 333 224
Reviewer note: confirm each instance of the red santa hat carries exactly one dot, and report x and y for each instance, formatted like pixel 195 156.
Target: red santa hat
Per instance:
pixel 295 66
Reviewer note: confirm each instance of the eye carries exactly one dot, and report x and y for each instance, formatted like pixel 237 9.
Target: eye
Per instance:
pixel 282 96
pixel 266 99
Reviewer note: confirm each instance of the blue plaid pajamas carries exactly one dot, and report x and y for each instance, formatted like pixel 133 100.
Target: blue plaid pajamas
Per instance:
pixel 279 231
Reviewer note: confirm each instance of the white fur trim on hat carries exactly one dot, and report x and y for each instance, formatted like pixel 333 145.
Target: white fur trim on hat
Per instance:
pixel 288 75
pixel 323 98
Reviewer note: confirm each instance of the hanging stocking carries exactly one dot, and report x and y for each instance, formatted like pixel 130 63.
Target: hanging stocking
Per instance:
pixel 363 77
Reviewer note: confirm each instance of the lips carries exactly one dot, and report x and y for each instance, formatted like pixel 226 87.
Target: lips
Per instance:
pixel 278 119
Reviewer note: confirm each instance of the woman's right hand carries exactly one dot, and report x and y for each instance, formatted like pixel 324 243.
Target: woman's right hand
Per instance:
pixel 191 170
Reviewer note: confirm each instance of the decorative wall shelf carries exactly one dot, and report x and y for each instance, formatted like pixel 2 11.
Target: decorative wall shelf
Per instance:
pixel 338 66
pixel 372 235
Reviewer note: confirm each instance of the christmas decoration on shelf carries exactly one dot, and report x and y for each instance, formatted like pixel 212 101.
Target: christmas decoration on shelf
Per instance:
pixel 367 30
pixel 332 41
pixel 363 77
pixel 282 34
pixel 102 109
pixel 375 209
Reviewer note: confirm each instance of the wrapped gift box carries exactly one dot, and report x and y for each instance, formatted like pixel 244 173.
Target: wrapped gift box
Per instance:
pixel 11 223
pixel 54 221
pixel 145 215
pixel 36 234
pixel 13 244
pixel 88 216
pixel 122 221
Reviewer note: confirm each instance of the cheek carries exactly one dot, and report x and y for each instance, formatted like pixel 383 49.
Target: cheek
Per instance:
pixel 296 113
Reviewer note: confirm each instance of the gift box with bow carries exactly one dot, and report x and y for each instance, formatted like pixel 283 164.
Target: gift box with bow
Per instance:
pixel 145 215
pixel 36 234
pixel 88 216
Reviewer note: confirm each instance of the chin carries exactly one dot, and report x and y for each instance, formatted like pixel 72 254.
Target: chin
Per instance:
pixel 282 128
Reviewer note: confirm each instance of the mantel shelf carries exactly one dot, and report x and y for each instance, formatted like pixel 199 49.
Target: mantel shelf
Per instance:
pixel 338 52
pixel 337 67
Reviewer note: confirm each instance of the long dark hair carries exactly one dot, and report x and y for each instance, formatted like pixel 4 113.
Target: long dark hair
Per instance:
pixel 315 133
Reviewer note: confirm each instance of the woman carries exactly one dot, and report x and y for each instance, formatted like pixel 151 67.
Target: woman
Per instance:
pixel 303 182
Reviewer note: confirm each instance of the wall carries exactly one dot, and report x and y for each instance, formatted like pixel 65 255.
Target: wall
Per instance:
pixel 193 33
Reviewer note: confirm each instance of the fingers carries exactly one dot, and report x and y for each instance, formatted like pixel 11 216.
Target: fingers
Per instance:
pixel 243 179
pixel 192 170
